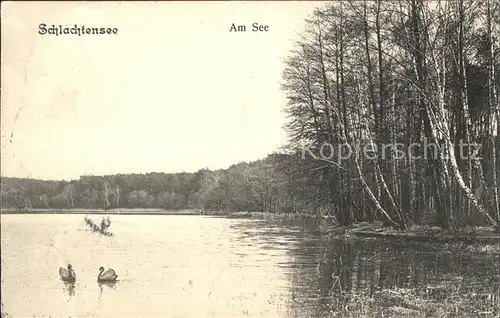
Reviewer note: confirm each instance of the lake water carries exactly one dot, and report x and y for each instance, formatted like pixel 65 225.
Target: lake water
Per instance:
pixel 202 266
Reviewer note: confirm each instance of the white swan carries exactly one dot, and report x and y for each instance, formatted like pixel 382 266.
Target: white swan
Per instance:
pixel 107 276
pixel 67 275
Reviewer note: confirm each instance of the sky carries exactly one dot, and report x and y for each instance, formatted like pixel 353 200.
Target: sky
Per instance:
pixel 172 91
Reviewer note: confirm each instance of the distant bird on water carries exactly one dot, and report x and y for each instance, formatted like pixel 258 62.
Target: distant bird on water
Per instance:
pixel 106 276
pixel 67 275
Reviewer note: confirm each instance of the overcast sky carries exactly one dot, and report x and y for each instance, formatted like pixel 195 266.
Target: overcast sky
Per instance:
pixel 173 91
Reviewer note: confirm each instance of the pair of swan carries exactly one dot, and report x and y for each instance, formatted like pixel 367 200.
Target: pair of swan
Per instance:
pixel 68 275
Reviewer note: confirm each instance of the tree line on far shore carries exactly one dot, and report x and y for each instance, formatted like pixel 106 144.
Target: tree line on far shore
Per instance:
pixel 262 185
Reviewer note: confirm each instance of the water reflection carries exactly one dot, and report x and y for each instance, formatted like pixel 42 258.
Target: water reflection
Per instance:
pixel 333 275
pixel 354 275
pixel 105 286
pixel 69 287
pixel 108 285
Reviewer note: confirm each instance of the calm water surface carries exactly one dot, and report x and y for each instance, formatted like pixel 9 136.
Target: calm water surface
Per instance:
pixel 200 266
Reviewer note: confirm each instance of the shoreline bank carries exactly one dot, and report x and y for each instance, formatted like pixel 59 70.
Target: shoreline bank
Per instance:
pixel 468 235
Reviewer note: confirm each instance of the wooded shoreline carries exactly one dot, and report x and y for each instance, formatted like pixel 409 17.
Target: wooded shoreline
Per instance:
pixel 468 235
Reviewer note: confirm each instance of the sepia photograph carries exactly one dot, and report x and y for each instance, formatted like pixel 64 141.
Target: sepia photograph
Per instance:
pixel 281 159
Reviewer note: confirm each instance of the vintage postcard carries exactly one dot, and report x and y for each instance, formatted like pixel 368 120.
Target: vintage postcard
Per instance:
pixel 250 158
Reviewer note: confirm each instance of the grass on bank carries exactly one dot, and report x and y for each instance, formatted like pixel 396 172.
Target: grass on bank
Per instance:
pixel 433 301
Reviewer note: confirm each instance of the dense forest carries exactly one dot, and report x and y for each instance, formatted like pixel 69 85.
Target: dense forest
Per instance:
pixel 364 73
pixel 258 186
pixel 402 73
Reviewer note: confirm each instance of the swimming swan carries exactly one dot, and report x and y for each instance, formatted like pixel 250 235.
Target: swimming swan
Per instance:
pixel 107 276
pixel 67 275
